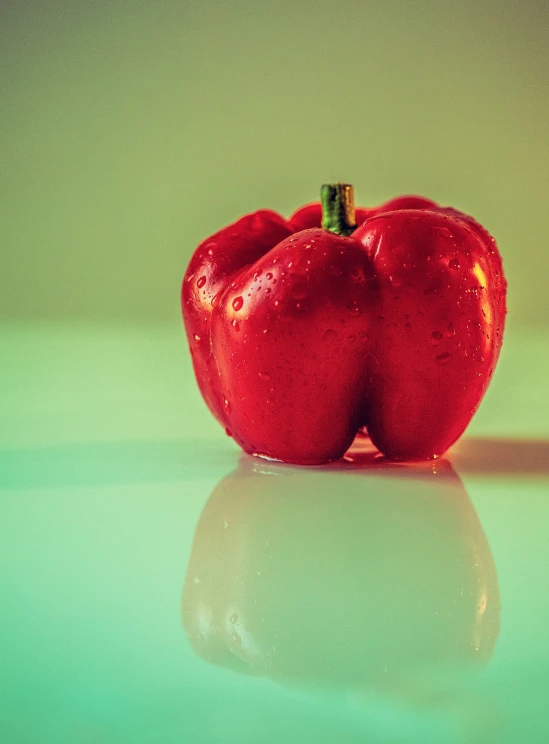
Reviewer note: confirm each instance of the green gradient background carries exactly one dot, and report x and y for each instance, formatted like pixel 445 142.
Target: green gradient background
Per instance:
pixel 132 130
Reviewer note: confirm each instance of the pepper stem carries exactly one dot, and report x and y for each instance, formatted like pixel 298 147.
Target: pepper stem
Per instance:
pixel 338 208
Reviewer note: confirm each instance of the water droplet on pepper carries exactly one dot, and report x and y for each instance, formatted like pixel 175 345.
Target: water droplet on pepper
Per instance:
pixel 444 358
pixel 300 291
pixel 353 307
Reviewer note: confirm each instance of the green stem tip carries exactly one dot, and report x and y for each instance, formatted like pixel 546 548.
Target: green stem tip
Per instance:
pixel 338 208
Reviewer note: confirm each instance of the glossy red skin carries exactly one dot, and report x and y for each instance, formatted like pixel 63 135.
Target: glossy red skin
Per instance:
pixel 298 340
pixel 216 260
pixel 441 313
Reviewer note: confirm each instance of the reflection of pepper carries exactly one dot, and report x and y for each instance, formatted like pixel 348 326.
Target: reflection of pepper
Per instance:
pixel 299 339
pixel 393 575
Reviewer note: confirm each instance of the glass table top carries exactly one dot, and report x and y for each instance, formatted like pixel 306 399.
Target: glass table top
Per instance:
pixel 159 586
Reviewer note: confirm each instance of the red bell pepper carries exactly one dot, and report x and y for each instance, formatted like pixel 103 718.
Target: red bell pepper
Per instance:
pixel 302 337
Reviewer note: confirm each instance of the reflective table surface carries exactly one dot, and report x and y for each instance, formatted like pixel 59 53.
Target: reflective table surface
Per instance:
pixel 158 586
